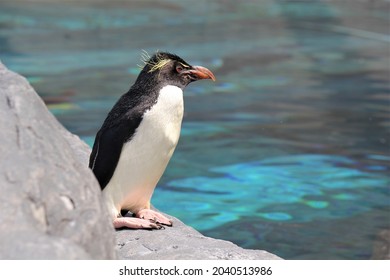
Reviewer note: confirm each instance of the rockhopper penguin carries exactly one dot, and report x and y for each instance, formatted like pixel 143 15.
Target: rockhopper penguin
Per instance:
pixel 138 137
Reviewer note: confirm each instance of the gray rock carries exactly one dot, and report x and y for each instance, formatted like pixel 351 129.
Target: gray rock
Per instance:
pixel 181 242
pixel 51 206
pixel 381 247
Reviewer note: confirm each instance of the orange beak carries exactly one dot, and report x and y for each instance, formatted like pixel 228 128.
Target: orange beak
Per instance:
pixel 201 73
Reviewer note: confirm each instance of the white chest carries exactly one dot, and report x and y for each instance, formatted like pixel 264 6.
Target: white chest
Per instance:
pixel 144 158
pixel 162 122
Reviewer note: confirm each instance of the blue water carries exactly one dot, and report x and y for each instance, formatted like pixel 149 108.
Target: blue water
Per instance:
pixel 295 188
pixel 288 151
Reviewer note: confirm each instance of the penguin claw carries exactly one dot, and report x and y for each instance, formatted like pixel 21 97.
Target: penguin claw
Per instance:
pixel 154 217
pixel 135 223
pixel 161 226
pixel 154 226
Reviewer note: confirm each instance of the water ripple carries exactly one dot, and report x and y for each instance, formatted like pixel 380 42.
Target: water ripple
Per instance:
pixel 278 189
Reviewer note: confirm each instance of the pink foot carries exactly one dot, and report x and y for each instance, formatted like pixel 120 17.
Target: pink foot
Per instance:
pixel 135 223
pixel 154 217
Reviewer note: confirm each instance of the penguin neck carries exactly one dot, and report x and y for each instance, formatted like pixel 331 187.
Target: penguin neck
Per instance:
pixel 155 80
pixel 148 89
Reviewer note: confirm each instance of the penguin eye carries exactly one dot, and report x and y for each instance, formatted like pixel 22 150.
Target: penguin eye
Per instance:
pixel 179 68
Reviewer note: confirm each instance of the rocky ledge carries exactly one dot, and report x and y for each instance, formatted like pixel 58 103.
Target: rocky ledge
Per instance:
pixel 181 242
pixel 51 207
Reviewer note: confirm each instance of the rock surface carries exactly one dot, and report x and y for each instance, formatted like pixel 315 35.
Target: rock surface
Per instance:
pixel 381 248
pixel 181 242
pixel 50 206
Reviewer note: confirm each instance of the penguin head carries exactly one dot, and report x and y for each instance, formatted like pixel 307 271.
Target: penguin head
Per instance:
pixel 170 69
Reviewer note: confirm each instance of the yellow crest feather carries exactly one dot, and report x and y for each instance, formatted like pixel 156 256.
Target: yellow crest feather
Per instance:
pixel 159 64
pixel 154 65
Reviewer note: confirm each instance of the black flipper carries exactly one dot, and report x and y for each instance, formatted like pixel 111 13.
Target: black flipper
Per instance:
pixel 106 152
